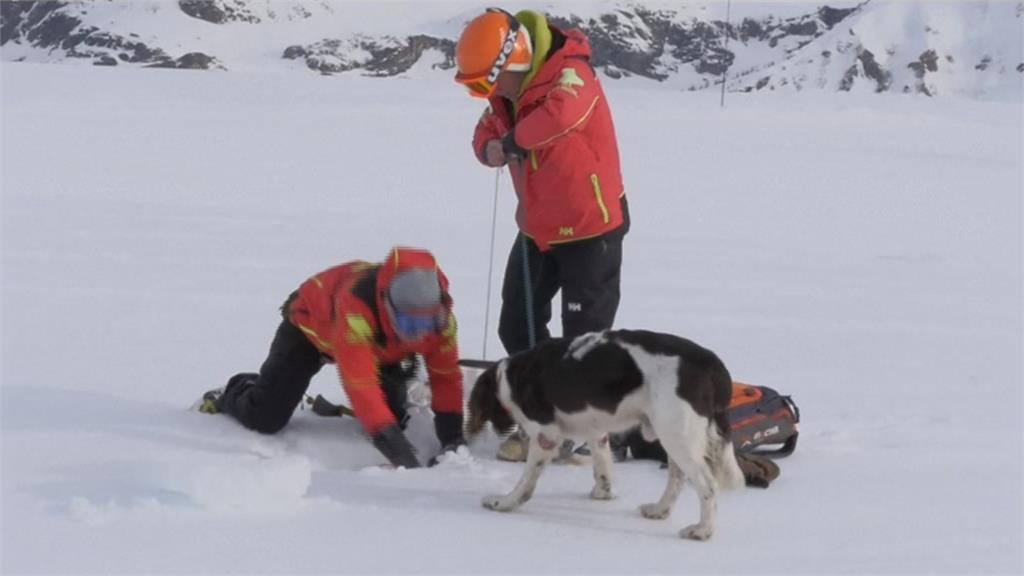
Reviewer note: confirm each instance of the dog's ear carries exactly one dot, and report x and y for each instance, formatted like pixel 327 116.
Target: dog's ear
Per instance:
pixel 485 407
pixel 483 401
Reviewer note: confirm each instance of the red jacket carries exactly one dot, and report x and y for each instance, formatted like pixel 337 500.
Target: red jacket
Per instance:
pixel 341 312
pixel 570 186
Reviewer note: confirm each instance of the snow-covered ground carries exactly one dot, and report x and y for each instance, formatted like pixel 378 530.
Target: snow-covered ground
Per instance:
pixel 862 253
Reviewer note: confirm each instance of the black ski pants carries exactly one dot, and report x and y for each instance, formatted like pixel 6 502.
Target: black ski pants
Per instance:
pixel 588 274
pixel 265 401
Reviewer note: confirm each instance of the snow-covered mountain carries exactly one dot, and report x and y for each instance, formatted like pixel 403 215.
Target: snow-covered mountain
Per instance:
pixel 971 48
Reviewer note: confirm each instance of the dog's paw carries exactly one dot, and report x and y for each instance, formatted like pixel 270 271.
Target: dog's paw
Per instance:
pixel 498 503
pixel 655 511
pixel 601 492
pixel 696 532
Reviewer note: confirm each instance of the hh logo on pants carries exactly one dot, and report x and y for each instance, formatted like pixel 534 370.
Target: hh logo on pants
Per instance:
pixel 574 307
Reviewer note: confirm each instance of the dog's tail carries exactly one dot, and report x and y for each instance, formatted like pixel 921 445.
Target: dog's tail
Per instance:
pixel 721 456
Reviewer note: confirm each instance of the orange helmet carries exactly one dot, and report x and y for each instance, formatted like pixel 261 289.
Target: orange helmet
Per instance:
pixel 491 44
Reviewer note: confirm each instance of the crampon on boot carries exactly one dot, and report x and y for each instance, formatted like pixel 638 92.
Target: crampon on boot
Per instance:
pixel 210 402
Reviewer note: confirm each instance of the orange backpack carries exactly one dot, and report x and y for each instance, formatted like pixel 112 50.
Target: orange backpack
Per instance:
pixel 761 418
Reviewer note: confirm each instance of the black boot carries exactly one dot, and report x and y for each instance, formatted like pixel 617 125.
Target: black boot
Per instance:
pixel 616 443
pixel 212 401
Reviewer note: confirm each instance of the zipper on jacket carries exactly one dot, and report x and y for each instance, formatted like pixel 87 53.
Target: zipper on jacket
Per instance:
pixel 597 194
pixel 533 160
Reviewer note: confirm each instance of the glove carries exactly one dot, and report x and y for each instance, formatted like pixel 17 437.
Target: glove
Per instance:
pixel 510 148
pixel 448 426
pixel 393 444
pixel 448 449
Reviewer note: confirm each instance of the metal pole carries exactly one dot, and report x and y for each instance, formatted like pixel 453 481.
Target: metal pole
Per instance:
pixel 528 285
pixel 527 281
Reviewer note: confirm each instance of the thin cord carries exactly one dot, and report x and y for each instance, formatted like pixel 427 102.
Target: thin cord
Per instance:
pixel 490 264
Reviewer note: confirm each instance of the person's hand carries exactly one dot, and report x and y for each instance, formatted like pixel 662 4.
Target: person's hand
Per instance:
pixel 393 444
pixel 493 153
pixel 448 426
pixel 445 450
pixel 511 150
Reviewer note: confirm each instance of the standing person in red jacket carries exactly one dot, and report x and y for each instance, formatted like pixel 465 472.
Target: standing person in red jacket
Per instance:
pixel 368 319
pixel 548 120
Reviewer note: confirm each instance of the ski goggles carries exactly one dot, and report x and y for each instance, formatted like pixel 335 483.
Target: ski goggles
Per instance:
pixel 412 326
pixel 484 85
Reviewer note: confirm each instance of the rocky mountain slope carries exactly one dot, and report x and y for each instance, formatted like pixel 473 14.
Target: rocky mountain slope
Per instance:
pixel 971 48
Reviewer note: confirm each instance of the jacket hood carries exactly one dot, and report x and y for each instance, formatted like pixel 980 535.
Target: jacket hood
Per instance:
pixel 545 66
pixel 401 259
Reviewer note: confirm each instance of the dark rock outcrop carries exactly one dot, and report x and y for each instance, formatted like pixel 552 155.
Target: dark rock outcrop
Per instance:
pixel 832 16
pixel 388 56
pixel 196 61
pixel 11 16
pixel 203 10
pixel 105 60
pixel 928 61
pixel 219 11
pixel 53 25
pixel 866 67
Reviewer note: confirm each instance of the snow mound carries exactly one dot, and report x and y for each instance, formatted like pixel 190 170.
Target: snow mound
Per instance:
pixel 252 483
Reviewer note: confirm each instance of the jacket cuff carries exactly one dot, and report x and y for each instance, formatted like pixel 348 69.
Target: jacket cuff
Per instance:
pixel 509 146
pixel 480 155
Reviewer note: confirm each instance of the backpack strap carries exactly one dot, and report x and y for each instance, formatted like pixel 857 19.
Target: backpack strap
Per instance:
pixel 758 471
pixel 786 449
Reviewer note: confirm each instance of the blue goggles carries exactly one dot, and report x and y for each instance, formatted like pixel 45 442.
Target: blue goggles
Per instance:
pixel 413 326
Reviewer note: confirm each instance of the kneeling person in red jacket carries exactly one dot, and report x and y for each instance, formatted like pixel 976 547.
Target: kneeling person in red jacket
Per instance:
pixel 368 319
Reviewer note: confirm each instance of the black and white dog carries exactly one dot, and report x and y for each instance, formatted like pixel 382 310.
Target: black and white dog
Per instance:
pixel 604 382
